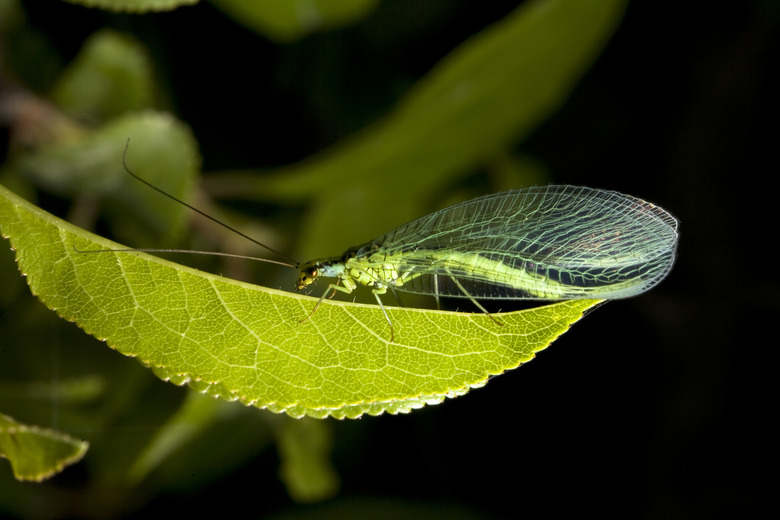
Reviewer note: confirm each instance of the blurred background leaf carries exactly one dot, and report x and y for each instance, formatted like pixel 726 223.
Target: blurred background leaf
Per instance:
pixel 37 453
pixel 285 22
pixel 488 93
pixel 134 6
pixel 111 75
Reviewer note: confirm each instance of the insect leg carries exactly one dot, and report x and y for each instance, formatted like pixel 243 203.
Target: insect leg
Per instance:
pixel 377 292
pixel 470 297
pixel 436 290
pixel 332 287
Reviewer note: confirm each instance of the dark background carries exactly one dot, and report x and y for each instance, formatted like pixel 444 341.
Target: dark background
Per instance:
pixel 654 407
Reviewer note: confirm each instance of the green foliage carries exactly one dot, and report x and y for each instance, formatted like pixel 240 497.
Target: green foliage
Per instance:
pixel 291 20
pixel 226 338
pixel 284 21
pixel 111 75
pixel 135 6
pixel 490 92
pixel 37 453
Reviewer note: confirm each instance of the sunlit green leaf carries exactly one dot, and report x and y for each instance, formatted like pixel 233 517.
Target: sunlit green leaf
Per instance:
pixel 243 342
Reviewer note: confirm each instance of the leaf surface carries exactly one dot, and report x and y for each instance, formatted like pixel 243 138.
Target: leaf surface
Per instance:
pixel 239 341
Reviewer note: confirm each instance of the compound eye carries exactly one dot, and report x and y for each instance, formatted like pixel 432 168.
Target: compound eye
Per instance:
pixel 307 277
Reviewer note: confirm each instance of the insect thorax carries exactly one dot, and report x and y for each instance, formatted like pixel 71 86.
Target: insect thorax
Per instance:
pixel 366 271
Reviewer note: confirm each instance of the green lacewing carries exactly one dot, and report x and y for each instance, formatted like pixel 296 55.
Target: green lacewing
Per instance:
pixel 538 243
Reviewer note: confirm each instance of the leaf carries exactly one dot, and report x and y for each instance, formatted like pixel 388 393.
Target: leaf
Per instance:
pixel 293 19
pixel 134 6
pixel 111 75
pixel 305 450
pixel 490 92
pixel 37 453
pixel 243 342
pixel 68 391
pixel 161 146
pixel 224 435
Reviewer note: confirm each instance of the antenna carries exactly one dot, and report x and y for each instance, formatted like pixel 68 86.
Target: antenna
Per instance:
pixel 189 251
pixel 292 263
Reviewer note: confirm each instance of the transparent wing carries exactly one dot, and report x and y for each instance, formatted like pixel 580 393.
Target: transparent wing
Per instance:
pixel 548 242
